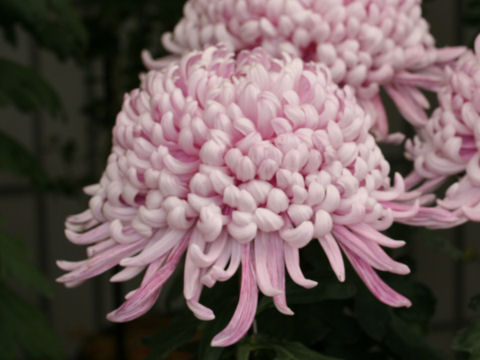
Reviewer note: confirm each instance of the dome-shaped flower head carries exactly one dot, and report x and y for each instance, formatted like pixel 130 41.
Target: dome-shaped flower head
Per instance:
pixel 366 44
pixel 449 144
pixel 238 162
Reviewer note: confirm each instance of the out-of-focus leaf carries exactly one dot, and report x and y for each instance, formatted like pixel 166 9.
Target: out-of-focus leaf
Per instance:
pixel 16 159
pixel 25 330
pixel 222 299
pixel 243 351
pixel 284 349
pixel 468 340
pixel 474 303
pixel 223 313
pixel 372 315
pixel 408 344
pixel 440 243
pixel 26 90
pixel 16 266
pixel 181 330
pixel 52 23
pixel 332 290
pixel 423 303
pixel 325 290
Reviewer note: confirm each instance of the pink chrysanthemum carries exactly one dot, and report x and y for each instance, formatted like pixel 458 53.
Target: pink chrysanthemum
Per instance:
pixel 365 44
pixel 238 162
pixel 449 143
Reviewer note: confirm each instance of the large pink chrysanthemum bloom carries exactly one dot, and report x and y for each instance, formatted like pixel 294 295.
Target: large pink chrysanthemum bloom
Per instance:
pixel 365 44
pixel 238 162
pixel 449 144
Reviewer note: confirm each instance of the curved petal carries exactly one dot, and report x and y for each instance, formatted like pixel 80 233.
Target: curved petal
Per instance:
pixel 377 286
pixel 292 261
pixel 247 305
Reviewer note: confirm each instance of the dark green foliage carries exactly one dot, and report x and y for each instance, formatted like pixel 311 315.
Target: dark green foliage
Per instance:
pixel 54 24
pixel 181 330
pixel 16 266
pixel 468 341
pixel 475 303
pixel 16 159
pixel 23 328
pixel 26 90
pixel 122 30
pixel 280 349
pixel 437 241
pixel 472 13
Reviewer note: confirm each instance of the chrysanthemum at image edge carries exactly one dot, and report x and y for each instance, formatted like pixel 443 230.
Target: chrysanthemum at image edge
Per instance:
pixel 238 162
pixel 448 145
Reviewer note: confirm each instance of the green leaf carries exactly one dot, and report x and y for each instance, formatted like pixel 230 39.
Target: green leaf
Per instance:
pixel 373 316
pixel 223 313
pixel 474 303
pixel 243 351
pixel 468 340
pixel 16 266
pixel 284 349
pixel 223 300
pixel 24 329
pixel 26 90
pixel 18 160
pixel 52 23
pixel 407 344
pixel 423 303
pixel 440 243
pixel 325 290
pixel 181 330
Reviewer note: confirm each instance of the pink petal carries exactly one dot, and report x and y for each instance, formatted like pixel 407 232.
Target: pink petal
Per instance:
pixel 411 111
pixel 162 242
pixel 292 261
pixel 143 299
pixel 263 249
pixel 369 251
pixel 94 235
pixel 376 285
pixel 247 305
pixel 367 232
pixel 102 262
pixel 334 256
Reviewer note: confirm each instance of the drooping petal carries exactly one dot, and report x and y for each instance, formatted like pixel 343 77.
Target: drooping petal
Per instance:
pixel 247 304
pixel 143 298
pixel 292 261
pixel 262 250
pixel 334 255
pixel 376 285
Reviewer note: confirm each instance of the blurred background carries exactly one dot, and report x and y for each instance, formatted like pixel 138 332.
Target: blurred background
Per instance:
pixel 64 67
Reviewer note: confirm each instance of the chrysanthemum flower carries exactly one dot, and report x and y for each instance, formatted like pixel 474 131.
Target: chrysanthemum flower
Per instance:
pixel 365 44
pixel 449 144
pixel 239 162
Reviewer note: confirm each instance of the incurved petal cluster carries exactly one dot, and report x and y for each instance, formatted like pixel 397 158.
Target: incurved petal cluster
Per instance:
pixel 449 144
pixel 237 162
pixel 365 44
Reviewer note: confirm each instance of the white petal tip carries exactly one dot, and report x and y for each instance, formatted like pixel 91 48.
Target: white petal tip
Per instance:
pixel 286 311
pixel 309 284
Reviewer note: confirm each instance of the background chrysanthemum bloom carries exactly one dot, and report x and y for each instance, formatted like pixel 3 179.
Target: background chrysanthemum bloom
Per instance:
pixel 449 144
pixel 365 44
pixel 239 162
